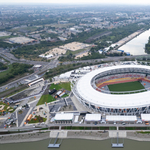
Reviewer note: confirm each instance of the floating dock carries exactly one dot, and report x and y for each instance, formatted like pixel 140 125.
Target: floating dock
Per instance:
pixel 54 145
pixel 117 145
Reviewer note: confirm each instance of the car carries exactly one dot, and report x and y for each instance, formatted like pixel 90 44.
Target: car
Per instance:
pixel 146 123
pixel 123 123
pixel 81 121
pixel 42 123
pixel 103 122
pixel 139 121
pixel 114 122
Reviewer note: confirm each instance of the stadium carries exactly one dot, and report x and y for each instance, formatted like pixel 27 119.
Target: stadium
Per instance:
pixel 120 90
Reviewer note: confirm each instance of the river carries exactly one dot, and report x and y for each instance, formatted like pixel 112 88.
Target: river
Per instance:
pixel 76 144
pixel 136 46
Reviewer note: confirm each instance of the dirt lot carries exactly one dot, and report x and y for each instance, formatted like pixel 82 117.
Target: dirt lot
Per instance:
pixel 23 94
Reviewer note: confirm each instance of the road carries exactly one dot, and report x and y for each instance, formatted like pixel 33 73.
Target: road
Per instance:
pixel 16 83
pixel 30 127
pixel 109 59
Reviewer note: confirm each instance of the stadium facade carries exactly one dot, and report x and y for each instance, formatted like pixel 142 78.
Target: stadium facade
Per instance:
pixel 90 93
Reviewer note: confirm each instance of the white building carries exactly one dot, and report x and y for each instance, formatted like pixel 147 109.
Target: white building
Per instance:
pixel 92 118
pixel 64 118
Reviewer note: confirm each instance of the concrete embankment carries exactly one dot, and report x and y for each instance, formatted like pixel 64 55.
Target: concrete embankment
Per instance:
pixel 24 137
pixel 78 134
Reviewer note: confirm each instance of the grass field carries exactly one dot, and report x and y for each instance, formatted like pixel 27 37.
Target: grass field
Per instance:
pixel 45 98
pixel 64 85
pixel 128 86
pixel 48 98
pixel 65 95
pixel 74 52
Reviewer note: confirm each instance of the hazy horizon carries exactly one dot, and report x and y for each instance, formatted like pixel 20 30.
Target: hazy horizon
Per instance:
pixel 126 2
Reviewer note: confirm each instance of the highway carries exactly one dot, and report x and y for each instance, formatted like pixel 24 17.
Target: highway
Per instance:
pixel 16 83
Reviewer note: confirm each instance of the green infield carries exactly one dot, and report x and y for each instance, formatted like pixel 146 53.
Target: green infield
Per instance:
pixel 128 86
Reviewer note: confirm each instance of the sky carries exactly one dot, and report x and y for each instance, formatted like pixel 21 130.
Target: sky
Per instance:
pixel 144 2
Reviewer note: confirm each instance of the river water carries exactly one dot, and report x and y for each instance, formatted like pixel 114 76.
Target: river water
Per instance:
pixel 136 46
pixel 77 144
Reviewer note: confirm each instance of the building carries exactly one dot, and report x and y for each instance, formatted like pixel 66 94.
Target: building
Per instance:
pixel 92 119
pixel 89 90
pixel 64 118
pixel 20 40
pixel 47 56
pixel 120 119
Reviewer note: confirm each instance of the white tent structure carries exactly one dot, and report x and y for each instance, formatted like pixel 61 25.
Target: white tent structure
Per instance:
pixel 64 118
pixel 117 118
pixel 145 117
pixel 91 118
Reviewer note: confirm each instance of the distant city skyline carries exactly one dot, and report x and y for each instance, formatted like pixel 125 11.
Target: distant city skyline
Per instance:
pixel 144 2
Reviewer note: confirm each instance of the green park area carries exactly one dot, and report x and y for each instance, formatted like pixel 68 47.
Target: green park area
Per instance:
pixel 62 85
pixel 128 86
pixel 4 73
pixel 49 98
pixel 37 119
pixel 45 98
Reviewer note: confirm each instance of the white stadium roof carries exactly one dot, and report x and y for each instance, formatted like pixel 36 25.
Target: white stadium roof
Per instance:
pixel 62 116
pixel 99 99
pixel 145 117
pixel 93 117
pixel 121 118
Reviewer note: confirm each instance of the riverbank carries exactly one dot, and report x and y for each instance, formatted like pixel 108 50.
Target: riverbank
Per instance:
pixel 88 135
pixel 128 38
pixel 24 137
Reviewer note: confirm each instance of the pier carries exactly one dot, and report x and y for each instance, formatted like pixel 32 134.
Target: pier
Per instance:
pixel 55 144
pixel 117 145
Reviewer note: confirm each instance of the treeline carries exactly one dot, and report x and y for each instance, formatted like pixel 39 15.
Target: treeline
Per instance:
pixel 94 55
pixel 147 47
pixel 69 57
pixel 35 49
pixel 116 35
pixel 3 66
pixel 122 32
pixel 16 69
pixel 6 45
pixel 61 69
